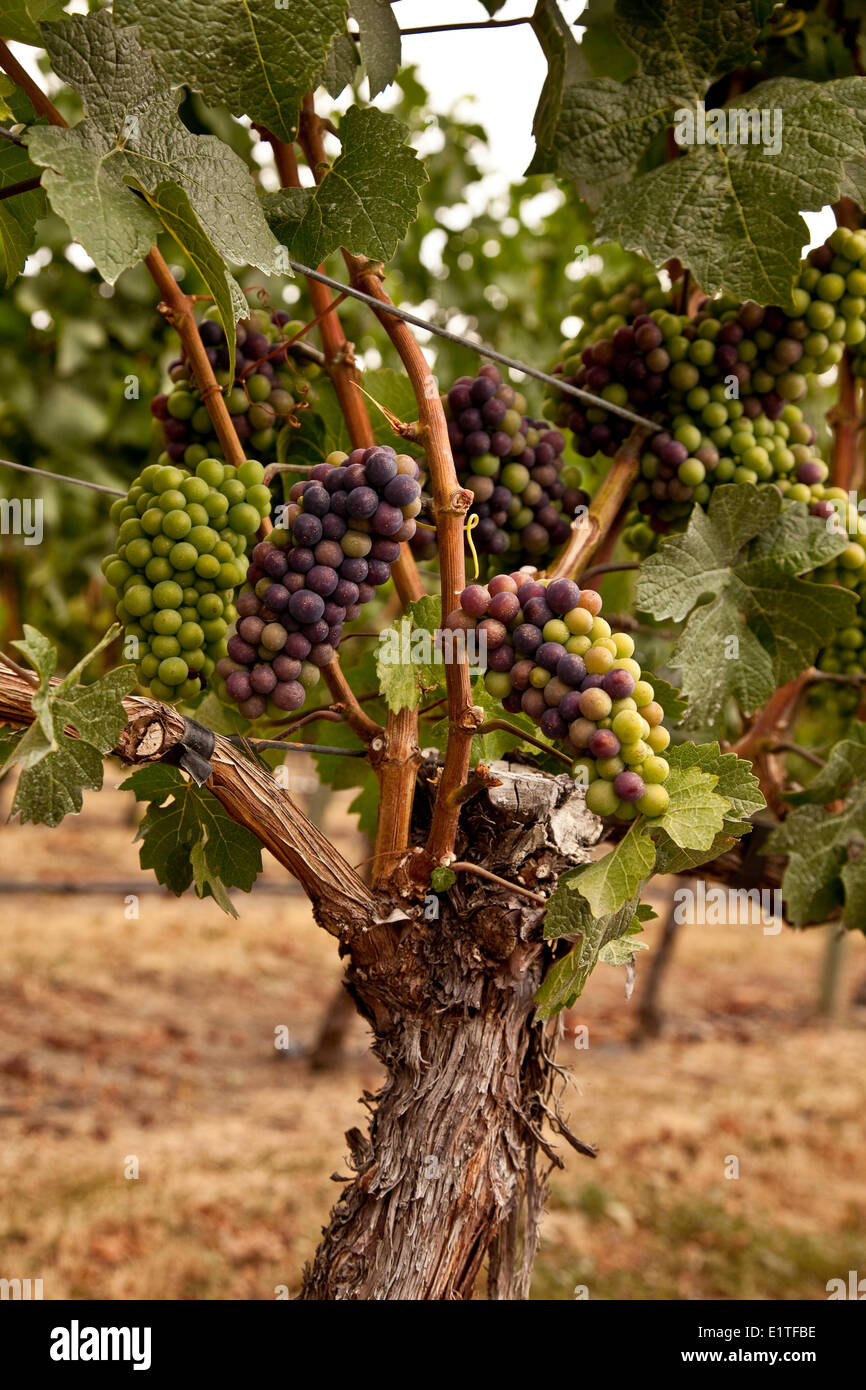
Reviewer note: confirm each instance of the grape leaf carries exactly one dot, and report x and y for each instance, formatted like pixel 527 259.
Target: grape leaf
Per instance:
pixel 20 20
pixel 52 787
pixel 257 59
pixel 55 766
pixel 379 41
pixel 18 215
pixel 340 65
pixel 396 670
pixel 668 697
pixel 616 877
pixel 366 200
pixel 826 865
pixel 441 879
pixel 188 838
pixel 568 914
pixel 764 623
pixel 696 812
pixel 736 781
pixel 620 951
pixel 566 66
pixel 172 206
pixel 730 212
pixel 132 135
pixel 388 388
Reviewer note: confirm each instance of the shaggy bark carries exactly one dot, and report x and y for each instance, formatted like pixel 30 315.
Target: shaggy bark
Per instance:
pixel 454 1167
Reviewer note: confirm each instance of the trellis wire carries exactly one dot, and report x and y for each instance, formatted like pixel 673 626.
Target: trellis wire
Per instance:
pixel 480 348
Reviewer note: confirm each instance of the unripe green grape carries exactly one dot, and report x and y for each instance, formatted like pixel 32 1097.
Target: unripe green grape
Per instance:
pixel 163 647
pixel 212 471
pixel 159 568
pixel 244 519
pixel 601 798
pixel 654 801
pixel 233 490
pixel 658 738
pixel 166 622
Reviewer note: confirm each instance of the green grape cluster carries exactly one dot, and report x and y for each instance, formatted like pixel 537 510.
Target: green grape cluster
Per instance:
pixel 181 554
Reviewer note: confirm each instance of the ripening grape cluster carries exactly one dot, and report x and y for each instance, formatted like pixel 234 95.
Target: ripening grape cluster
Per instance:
pixel 181 553
pixel 342 534
pixel 713 441
pixel 722 385
pixel 551 655
pixel 606 303
pixel 259 399
pixel 513 464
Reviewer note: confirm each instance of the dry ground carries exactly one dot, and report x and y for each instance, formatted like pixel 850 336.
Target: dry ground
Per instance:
pixel 151 1042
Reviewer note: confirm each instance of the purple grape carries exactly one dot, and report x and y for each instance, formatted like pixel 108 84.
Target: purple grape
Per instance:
pixel 321 579
pixel 301 559
pixel 562 595
pixel 288 695
pixel 307 529
pixel 316 500
pixel 569 705
pixel 316 632
pixel 387 520
pixel 381 466
pixel 504 607
pixel 549 655
pixel 501 658
pixel 321 654
pixel 333 527
pixel 618 683
pixel 378 572
pixel 277 598
pixel 306 607
pixel 238 686
pixel 629 786
pixel 286 668
pixel 389 551
pixel 354 570
pixel 366 593
pixel 345 594
pixel 536 611
pixel 604 744
pixel 572 669
pixel 362 502
pixel 527 638
pixel 533 703
pixel 553 725
pixel 475 600
pixel 297 647
pixel 276 563
pixel 329 553
pixel 262 679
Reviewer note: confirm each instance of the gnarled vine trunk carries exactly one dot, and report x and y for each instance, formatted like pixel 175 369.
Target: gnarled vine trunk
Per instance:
pixel 454 1168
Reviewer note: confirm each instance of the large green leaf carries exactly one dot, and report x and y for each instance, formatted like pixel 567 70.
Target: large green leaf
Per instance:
pixel 131 139
pixel 55 765
pixel 730 212
pixel 379 35
pixel 19 214
pixel 20 19
pixel 569 915
pixel 826 865
pixel 258 58
pixel 188 838
pixel 366 200
pixel 764 624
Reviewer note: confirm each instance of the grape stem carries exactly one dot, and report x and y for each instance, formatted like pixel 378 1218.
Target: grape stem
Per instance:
pixel 241 741
pixel 394 752
pixel 462 867
pixel 502 724
pixel 450 505
pixel 800 752
pixel 589 530
pixel 25 186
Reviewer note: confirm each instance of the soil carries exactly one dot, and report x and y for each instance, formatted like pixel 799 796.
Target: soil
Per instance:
pixel 162 1134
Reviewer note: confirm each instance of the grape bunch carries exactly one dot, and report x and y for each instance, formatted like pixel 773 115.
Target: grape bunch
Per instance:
pixel 713 441
pixel 259 399
pixel 342 534
pixel 607 302
pixel 513 465
pixel 181 553
pixel 551 655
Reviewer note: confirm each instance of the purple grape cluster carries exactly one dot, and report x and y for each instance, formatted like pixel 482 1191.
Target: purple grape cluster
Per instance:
pixel 513 465
pixel 343 529
pixel 550 655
